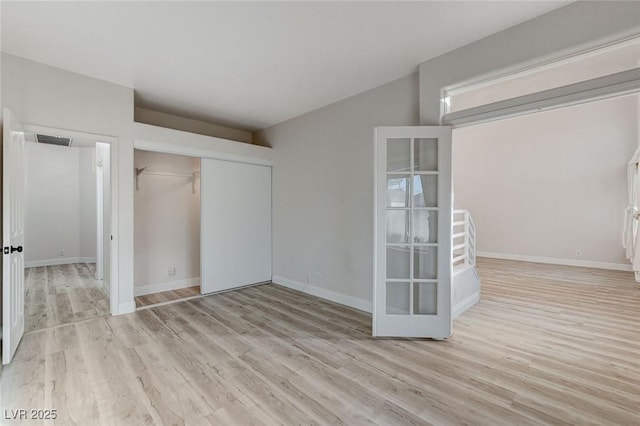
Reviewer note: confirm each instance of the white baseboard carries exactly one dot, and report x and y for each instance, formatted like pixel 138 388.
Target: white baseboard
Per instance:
pixel 106 286
pixel 465 304
pixel 58 261
pixel 323 293
pixel 126 308
pixel 557 261
pixel 141 290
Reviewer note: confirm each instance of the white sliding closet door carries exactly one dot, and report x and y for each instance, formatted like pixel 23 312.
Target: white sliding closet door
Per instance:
pixel 236 225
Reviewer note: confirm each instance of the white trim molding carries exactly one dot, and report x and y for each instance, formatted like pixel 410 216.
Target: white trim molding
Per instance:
pixel 114 159
pixel 170 302
pixel 622 83
pixel 160 139
pixel 142 290
pixel 558 261
pixel 126 308
pixel 58 261
pixel 465 304
pixel 323 293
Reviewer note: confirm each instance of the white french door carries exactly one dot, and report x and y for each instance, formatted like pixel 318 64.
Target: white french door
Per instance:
pixel 13 201
pixel 413 210
pixel 235 224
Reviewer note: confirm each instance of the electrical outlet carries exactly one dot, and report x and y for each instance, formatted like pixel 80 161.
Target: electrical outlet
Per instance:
pixel 60 252
pixel 318 276
pixel 308 278
pixel 172 271
pixel 578 253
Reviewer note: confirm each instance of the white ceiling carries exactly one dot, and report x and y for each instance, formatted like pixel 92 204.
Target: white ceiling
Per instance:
pixel 249 64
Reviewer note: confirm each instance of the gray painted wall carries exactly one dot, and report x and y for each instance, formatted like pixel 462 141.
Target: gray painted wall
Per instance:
pixel 52 97
pixel 162 119
pixel 323 173
pixel 323 187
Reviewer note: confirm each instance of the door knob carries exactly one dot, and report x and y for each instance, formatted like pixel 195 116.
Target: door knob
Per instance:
pixel 8 250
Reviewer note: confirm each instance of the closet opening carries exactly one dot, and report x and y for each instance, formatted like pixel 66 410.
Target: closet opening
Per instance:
pixel 67 226
pixel 166 228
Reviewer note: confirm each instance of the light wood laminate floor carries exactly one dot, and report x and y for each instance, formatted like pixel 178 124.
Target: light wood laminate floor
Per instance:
pixel 545 345
pixel 62 294
pixel 167 296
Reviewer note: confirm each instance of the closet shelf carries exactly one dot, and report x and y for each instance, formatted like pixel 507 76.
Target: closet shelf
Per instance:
pixel 193 176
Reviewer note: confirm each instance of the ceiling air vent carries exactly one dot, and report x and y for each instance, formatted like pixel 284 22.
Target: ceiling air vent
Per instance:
pixel 53 140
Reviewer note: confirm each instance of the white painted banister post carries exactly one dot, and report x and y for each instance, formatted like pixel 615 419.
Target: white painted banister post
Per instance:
pixel 467 260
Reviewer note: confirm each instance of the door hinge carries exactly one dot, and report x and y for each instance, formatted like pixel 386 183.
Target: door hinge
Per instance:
pixel 6 250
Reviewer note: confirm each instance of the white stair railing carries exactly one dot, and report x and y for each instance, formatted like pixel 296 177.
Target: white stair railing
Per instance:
pixel 463 250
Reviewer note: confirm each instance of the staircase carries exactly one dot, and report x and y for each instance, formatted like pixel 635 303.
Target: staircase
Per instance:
pixel 465 284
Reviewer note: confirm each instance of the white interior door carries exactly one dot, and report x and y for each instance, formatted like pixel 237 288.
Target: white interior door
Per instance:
pixel 13 199
pixel 413 213
pixel 235 225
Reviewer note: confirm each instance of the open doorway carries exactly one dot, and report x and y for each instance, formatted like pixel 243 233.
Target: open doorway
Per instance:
pixel 550 187
pixel 540 157
pixel 166 228
pixel 542 162
pixel 67 216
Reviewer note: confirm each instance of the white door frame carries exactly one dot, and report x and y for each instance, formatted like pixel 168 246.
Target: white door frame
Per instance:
pixel 113 154
pixel 612 85
pixel 99 220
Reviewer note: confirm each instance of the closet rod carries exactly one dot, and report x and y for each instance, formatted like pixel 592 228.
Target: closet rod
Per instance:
pixel 191 175
pixel 167 173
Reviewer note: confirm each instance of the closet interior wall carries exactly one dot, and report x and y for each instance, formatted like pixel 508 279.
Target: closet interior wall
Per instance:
pixel 166 222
